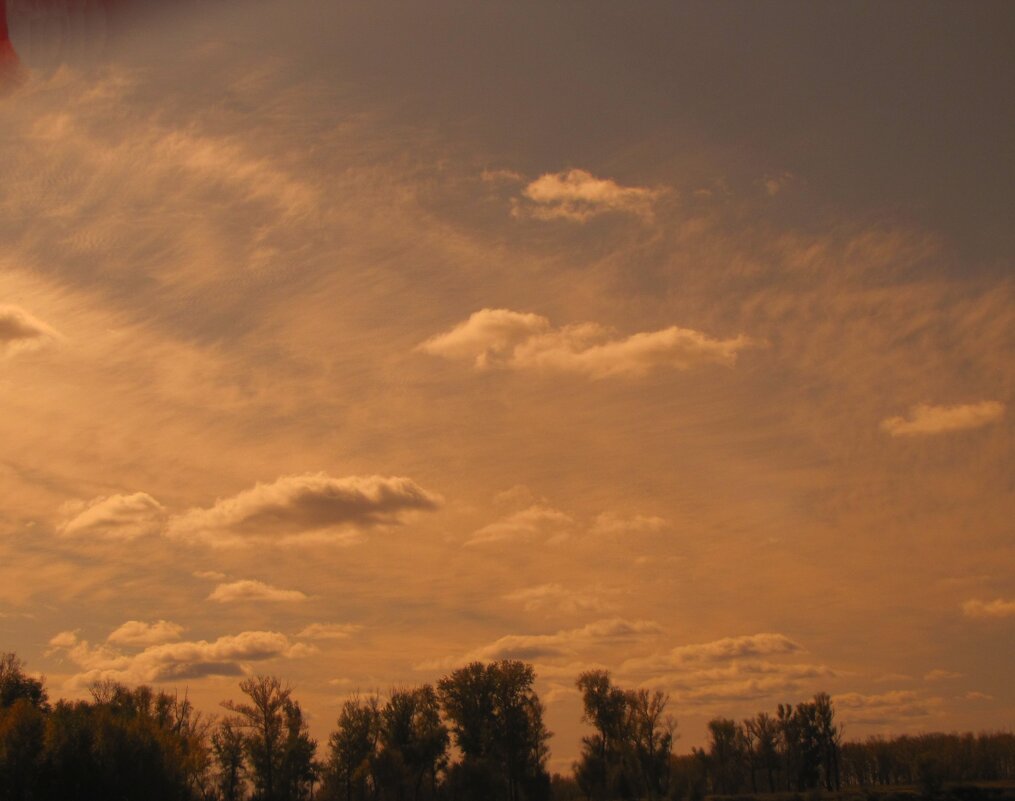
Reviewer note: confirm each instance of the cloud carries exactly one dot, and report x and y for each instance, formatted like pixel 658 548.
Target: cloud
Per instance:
pixel 226 656
pixel 64 639
pixel 329 631
pixel 739 680
pixel 538 520
pixel 975 695
pixel 578 196
pixel 250 590
pixel 774 184
pixel 925 419
pixel 722 650
pixel 136 632
pixel 938 674
pixel 523 341
pixel 550 646
pixel 884 708
pixel 557 597
pixel 609 523
pixel 113 517
pixel 19 331
pixel 211 575
pixel 999 607
pixel 310 502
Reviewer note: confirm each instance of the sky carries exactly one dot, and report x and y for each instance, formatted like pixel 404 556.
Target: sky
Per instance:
pixel 354 342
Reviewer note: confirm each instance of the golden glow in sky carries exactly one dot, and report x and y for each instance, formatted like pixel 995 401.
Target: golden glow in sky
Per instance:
pixel 353 342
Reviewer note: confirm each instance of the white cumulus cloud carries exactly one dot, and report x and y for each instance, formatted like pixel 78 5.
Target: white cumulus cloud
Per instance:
pixel 523 341
pixel 226 656
pixel 578 195
pixel 250 590
pixel 298 504
pixel 925 419
pixel 537 520
pixel 137 632
pixel 999 607
pixel 113 517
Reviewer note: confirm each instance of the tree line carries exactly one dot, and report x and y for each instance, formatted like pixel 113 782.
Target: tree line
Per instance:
pixel 476 735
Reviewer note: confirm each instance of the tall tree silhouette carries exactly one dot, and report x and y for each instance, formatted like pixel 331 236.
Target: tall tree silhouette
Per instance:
pixel 496 718
pixel 278 749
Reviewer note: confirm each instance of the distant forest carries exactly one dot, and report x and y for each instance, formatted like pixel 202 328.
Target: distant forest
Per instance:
pixel 477 735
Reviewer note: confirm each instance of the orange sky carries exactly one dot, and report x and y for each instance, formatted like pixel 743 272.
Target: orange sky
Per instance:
pixel 353 343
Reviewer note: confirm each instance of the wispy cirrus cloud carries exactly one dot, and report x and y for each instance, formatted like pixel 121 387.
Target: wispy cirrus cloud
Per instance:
pixel 925 419
pixel 501 338
pixel 297 504
pixel 19 331
pixel 999 607
pixel 578 196
pixel 251 590
pixel 113 517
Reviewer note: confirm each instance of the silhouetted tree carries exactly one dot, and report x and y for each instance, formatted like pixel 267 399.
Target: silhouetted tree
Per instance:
pixel 228 748
pixel 725 757
pixel 628 756
pixel 278 749
pixel 414 743
pixel 764 733
pixel 349 768
pixel 16 684
pixel 497 722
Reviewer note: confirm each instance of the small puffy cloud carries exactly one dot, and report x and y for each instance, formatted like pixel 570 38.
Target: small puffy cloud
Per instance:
pixel 329 631
pixel 64 639
pixel 113 517
pixel 537 520
pixel 722 650
pixel 250 590
pixel 999 607
pixel 557 597
pixel 19 330
pixel 226 656
pixel 512 340
pixel 578 196
pixel 974 695
pixel 489 337
pixel 939 674
pixel 297 504
pixel 925 419
pixel 136 632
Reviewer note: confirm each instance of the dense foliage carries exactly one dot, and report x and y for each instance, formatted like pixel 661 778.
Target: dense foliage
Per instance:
pixel 478 735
